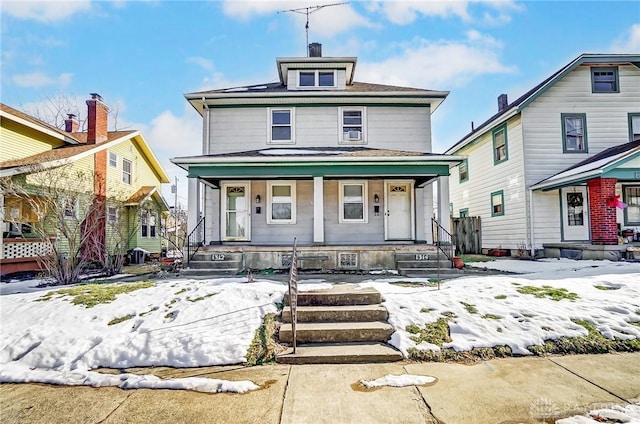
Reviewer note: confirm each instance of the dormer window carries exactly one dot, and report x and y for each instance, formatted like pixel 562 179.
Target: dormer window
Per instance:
pixel 314 79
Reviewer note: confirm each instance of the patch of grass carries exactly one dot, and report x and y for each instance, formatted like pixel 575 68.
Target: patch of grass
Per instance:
pixel 120 319
pixel 264 347
pixel 408 283
pixel 516 284
pixel 475 258
pixel 435 333
pixel 528 315
pixel 427 310
pixel 545 328
pixel 155 308
pixel 548 292
pixel 450 355
pixel 470 308
pixel 90 295
pixel 600 287
pixel 448 315
pixel 197 299
pixel 490 316
pixel 501 297
pixel 170 303
pixel 169 315
pixel 636 323
pixel 180 291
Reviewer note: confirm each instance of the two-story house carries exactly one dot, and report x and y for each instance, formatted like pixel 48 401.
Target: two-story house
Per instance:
pixel 115 166
pixel 319 157
pixel 559 168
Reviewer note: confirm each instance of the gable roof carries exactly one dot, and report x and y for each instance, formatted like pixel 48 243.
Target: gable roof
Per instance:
pixel 595 166
pixel 527 98
pixel 7 112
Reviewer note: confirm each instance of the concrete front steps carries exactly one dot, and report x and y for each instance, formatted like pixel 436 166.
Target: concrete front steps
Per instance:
pixel 421 264
pixel 344 324
pixel 206 263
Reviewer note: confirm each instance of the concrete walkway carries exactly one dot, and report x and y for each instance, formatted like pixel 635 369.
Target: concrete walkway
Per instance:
pixel 513 390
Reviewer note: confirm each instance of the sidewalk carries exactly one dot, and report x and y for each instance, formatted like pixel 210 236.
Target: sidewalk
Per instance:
pixel 513 390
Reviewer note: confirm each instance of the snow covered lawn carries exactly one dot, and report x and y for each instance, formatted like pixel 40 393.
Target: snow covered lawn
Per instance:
pixel 192 323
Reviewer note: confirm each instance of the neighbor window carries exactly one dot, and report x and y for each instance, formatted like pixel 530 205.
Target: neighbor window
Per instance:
pixel 113 160
pixel 464 171
pixel 634 126
pixel 147 225
pixel 69 207
pixel 352 125
pixel 126 171
pixel 500 148
pixel 632 199
pixel 574 133
pixel 464 213
pixel 497 203
pixel 353 201
pixel 281 202
pixel 112 214
pixel 281 125
pixel 604 80
pixel 316 79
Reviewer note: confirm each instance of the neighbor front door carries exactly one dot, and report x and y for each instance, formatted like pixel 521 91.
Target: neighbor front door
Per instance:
pixel 398 209
pixel 235 206
pixel 575 214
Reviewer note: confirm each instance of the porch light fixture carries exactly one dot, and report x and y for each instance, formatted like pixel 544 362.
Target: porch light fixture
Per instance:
pixel 376 199
pixel 258 198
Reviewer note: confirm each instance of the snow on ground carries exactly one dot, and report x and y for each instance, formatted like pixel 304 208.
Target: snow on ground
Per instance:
pixel 191 323
pixel 629 414
pixel 398 381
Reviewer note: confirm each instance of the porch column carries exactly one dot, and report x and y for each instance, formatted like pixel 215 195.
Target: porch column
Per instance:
pixel 193 202
pixel 602 218
pixel 444 213
pixel 318 210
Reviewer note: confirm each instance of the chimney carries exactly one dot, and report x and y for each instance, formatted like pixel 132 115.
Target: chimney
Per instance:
pixel 71 123
pixel 97 119
pixel 315 50
pixel 502 102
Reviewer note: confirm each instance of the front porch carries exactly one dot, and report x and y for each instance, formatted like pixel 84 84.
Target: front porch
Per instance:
pixel 587 251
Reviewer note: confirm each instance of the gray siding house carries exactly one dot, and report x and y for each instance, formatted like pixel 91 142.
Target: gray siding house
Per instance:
pixel 345 167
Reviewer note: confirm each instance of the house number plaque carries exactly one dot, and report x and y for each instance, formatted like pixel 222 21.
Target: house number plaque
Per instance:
pixel 217 257
pixel 422 257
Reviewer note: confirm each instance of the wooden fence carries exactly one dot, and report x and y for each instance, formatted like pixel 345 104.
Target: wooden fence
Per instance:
pixel 467 234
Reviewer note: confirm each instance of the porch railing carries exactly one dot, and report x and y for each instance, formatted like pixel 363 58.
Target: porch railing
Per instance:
pixel 443 239
pixel 293 293
pixel 195 239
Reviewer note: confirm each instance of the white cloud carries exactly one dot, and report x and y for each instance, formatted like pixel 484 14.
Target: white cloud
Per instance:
pixel 44 10
pixel 40 79
pixel 405 12
pixel 205 64
pixel 629 42
pixel 438 65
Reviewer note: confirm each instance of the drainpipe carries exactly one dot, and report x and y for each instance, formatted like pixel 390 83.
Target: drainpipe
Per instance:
pixel 205 141
pixel 532 238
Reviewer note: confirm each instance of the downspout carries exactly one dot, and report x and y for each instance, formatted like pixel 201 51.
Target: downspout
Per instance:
pixel 205 141
pixel 532 238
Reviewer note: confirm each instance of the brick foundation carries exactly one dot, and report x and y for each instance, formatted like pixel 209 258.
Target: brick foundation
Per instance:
pixel 604 229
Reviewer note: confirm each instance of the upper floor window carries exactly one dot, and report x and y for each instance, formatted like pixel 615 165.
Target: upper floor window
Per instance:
pixel 500 146
pixel 497 203
pixel 604 80
pixel 112 214
pixel 69 207
pixel 574 133
pixel 281 202
pixel 281 122
pixel 632 199
pixel 464 213
pixel 634 126
pixel 353 201
pixel 316 78
pixel 352 125
pixel 464 171
pixel 113 160
pixel 127 171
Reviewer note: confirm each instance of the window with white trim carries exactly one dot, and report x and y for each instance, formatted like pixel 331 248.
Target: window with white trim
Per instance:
pixel 281 202
pixel 69 207
pixel 113 160
pixel 353 201
pixel 352 125
pixel 127 171
pixel 281 125
pixel 316 78
pixel 147 225
pixel 112 214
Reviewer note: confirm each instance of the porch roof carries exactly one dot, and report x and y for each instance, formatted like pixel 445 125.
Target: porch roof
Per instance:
pixel 332 162
pixel 609 163
pixel 144 194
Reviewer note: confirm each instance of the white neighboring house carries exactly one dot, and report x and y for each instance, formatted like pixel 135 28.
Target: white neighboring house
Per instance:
pixel 547 169
pixel 319 157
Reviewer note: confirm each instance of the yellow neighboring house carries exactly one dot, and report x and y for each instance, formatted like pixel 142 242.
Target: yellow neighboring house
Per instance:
pixel 117 170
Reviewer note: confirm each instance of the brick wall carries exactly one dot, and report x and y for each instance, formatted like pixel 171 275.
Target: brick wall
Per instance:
pixel 604 229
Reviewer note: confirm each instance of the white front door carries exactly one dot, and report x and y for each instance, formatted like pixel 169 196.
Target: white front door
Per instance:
pixel 575 214
pixel 398 209
pixel 236 202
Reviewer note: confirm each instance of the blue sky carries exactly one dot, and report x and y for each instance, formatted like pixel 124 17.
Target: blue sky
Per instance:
pixel 142 56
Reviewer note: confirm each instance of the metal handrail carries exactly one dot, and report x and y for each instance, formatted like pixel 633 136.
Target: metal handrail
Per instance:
pixel 195 239
pixel 443 239
pixel 293 292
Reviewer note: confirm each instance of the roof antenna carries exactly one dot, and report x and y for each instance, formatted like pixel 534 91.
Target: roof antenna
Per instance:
pixel 307 11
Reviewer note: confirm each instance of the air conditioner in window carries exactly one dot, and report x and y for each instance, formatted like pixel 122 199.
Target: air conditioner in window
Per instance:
pixel 352 135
